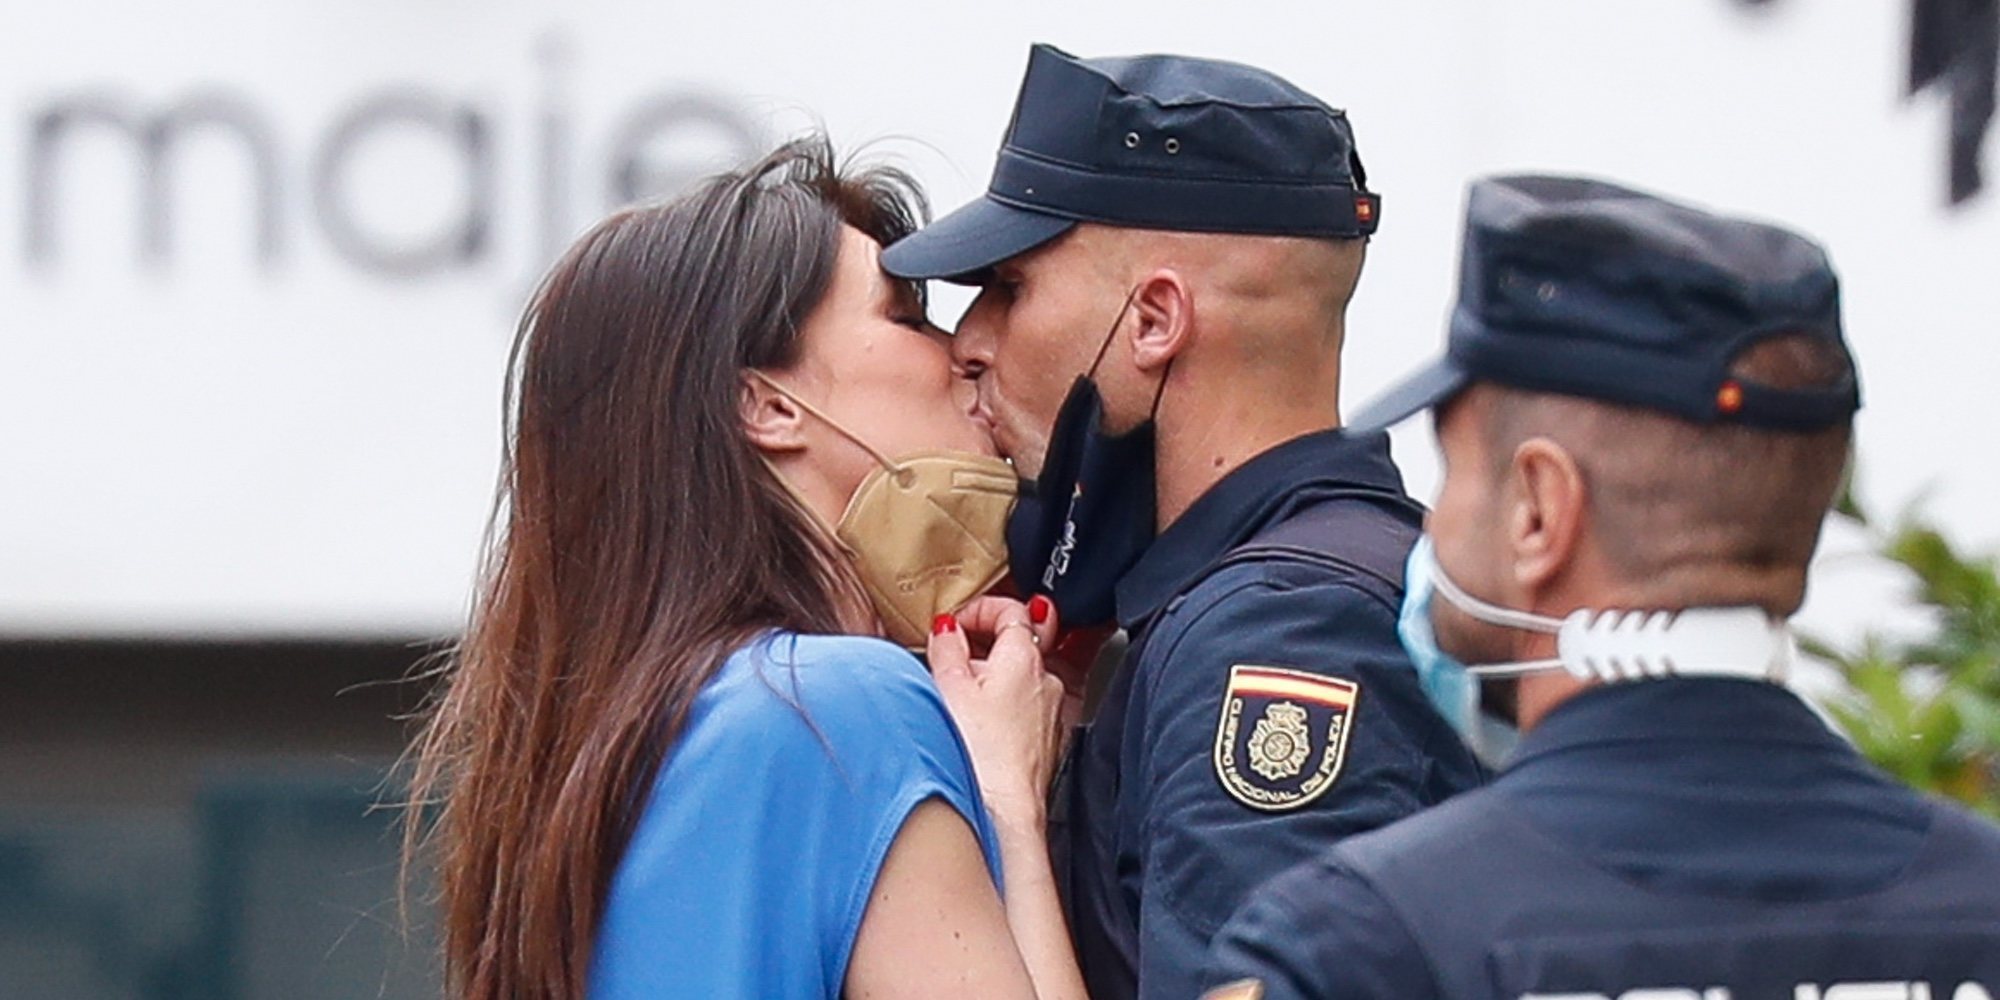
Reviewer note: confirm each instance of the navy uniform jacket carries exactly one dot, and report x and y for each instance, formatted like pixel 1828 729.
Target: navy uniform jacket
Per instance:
pixel 1700 838
pixel 1264 710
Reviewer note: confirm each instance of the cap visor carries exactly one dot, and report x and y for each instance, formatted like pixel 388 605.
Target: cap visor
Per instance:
pixel 1427 387
pixel 970 240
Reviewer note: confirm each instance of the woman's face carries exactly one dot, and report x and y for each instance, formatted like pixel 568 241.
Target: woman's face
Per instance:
pixel 872 362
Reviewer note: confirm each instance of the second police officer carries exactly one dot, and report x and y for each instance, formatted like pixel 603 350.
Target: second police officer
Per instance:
pixel 1645 411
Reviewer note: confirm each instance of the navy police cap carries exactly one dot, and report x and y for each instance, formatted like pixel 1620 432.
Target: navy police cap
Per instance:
pixel 1154 142
pixel 1583 288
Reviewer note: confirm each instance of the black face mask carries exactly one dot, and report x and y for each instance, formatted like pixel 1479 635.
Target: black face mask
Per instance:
pixel 1089 516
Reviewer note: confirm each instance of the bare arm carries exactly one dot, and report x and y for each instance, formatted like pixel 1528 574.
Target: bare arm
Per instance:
pixel 934 924
pixel 1034 909
pixel 1007 706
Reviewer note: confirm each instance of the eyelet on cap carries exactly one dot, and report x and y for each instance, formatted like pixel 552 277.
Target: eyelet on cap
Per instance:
pixel 1131 140
pixel 1729 398
pixel 906 477
pixel 1173 145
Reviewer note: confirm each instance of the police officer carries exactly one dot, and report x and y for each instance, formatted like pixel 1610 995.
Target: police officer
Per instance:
pixel 1645 411
pixel 1165 257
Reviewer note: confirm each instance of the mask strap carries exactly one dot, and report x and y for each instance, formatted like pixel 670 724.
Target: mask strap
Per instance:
pixel 1104 346
pixel 1491 614
pixel 1629 645
pixel 1514 669
pixel 823 418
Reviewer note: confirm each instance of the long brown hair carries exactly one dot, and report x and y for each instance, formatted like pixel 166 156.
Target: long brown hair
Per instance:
pixel 636 541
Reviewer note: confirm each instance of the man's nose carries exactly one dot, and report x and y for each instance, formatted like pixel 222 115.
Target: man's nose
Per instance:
pixel 972 345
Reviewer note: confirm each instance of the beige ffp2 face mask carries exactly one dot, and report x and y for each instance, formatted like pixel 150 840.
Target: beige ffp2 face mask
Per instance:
pixel 927 531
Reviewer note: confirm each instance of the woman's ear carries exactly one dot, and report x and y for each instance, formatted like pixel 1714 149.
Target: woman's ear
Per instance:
pixel 771 419
pixel 1165 308
pixel 1545 524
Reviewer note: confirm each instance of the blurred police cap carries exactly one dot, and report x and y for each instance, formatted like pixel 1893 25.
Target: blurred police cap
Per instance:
pixel 1585 288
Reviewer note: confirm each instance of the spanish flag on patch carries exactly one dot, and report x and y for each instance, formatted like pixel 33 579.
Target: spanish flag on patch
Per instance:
pixel 1274 683
pixel 1282 736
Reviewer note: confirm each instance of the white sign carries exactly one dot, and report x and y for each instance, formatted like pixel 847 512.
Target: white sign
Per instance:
pixel 260 263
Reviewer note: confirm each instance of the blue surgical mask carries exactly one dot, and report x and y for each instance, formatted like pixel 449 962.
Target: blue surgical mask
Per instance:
pixel 1450 687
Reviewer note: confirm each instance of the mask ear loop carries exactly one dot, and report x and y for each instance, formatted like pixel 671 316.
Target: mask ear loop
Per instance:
pixel 1104 346
pixel 1515 669
pixel 831 533
pixel 1493 614
pixel 816 412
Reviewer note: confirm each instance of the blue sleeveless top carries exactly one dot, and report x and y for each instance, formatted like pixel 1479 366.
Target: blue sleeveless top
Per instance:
pixel 759 845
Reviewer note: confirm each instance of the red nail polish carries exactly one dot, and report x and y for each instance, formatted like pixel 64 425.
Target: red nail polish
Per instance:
pixel 1039 608
pixel 943 623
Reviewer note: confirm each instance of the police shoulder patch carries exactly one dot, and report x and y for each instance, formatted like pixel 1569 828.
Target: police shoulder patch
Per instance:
pixel 1282 735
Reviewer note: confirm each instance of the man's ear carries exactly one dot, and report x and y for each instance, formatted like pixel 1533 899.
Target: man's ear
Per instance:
pixel 1545 521
pixel 1164 306
pixel 772 421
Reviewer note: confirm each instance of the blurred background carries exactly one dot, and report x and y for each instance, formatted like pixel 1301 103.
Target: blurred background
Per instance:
pixel 260 265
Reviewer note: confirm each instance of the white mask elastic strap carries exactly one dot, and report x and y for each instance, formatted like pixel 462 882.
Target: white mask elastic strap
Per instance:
pixel 1491 614
pixel 1513 669
pixel 823 418
pixel 1619 645
pixel 1740 642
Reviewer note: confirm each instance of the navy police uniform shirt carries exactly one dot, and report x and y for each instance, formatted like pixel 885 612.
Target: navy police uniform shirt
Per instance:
pixel 1680 839
pixel 1264 710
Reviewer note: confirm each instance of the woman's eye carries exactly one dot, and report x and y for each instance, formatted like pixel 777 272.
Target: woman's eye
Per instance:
pixel 918 322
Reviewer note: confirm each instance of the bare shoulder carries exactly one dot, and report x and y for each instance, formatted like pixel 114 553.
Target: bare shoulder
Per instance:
pixel 934 924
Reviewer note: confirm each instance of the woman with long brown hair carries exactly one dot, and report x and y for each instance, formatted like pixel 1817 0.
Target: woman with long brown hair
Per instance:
pixel 672 757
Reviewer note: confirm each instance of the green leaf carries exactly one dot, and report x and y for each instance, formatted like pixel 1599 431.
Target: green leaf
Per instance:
pixel 1979 713
pixel 1948 739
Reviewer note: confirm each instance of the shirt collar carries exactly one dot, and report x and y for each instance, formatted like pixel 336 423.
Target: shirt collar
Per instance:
pixel 1676 709
pixel 1260 492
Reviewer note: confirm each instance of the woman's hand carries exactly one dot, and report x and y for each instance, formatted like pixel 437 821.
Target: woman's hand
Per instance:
pixel 1006 704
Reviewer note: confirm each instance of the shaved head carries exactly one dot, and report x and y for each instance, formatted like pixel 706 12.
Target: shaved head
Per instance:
pixel 1238 276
